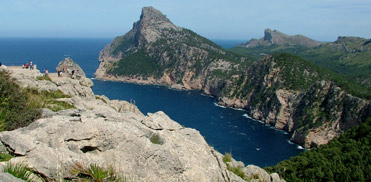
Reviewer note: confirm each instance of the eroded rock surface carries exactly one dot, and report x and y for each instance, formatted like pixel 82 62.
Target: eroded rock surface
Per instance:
pixel 110 132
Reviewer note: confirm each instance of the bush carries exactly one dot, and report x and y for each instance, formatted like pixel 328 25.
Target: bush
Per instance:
pixel 156 139
pixel 19 107
pixel 227 157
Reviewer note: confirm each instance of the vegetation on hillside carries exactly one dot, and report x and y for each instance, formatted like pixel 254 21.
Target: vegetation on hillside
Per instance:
pixel 136 63
pixel 300 74
pixel 348 56
pixel 347 158
pixel 19 107
pixel 169 53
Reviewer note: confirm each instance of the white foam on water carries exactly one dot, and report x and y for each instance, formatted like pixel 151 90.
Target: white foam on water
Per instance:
pixel 219 105
pixel 206 95
pixel 299 147
pixel 238 109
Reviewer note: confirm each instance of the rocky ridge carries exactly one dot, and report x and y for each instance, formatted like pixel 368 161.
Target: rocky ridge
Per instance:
pixel 274 37
pixel 116 133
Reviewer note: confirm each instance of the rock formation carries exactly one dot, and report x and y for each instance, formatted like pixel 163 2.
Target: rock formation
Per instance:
pixel 68 66
pixel 115 133
pixel 274 37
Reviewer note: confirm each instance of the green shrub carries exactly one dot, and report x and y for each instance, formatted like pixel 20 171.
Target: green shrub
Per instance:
pixel 156 139
pixel 227 157
pixel 19 107
pixel 15 109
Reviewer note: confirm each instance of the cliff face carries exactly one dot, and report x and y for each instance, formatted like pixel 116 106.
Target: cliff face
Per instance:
pixel 284 91
pixel 113 133
pixel 292 96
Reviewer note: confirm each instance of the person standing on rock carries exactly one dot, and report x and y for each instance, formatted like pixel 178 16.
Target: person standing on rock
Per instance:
pixel 31 66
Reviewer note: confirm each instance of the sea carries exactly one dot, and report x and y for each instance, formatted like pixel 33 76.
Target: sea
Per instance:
pixel 225 129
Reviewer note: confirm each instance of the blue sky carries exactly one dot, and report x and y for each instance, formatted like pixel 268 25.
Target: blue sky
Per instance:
pixel 323 20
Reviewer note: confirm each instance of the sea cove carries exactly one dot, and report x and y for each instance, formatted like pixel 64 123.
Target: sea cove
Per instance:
pixel 228 130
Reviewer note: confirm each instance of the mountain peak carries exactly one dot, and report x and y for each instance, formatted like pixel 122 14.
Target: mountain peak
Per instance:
pixel 278 38
pixel 151 15
pixel 270 35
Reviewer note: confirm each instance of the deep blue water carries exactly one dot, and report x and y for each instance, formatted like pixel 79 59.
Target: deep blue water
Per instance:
pixel 226 129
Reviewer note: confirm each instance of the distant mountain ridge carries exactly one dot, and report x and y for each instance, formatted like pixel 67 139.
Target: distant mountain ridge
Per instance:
pixel 348 56
pixel 272 37
pixel 282 90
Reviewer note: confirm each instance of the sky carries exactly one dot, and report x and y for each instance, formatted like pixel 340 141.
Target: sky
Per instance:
pixel 322 20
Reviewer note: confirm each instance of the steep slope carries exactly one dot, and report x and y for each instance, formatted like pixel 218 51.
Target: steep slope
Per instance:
pixel 282 90
pixel 158 52
pixel 290 93
pixel 348 56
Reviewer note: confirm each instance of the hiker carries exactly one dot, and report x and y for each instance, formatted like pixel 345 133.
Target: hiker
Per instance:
pixel 73 74
pixel 26 65
pixel 0 64
pixel 31 66
pixel 46 73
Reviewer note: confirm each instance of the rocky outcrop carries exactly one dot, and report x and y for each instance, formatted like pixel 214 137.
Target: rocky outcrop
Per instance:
pixel 68 66
pixel 111 133
pixel 274 37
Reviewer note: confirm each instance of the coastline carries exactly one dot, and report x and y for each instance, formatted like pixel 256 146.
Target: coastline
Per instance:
pixel 216 103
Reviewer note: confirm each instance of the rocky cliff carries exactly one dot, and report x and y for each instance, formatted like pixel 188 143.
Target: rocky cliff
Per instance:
pixel 156 51
pixel 113 133
pixel 283 91
pixel 292 94
pixel 274 37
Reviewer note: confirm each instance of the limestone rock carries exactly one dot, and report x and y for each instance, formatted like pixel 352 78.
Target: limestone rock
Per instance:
pixel 68 66
pixel 6 177
pixel 113 132
pixel 257 173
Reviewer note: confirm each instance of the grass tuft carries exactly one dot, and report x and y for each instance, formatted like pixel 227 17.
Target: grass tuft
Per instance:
pixel 21 171
pixel 96 173
pixel 5 157
pixel 44 77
